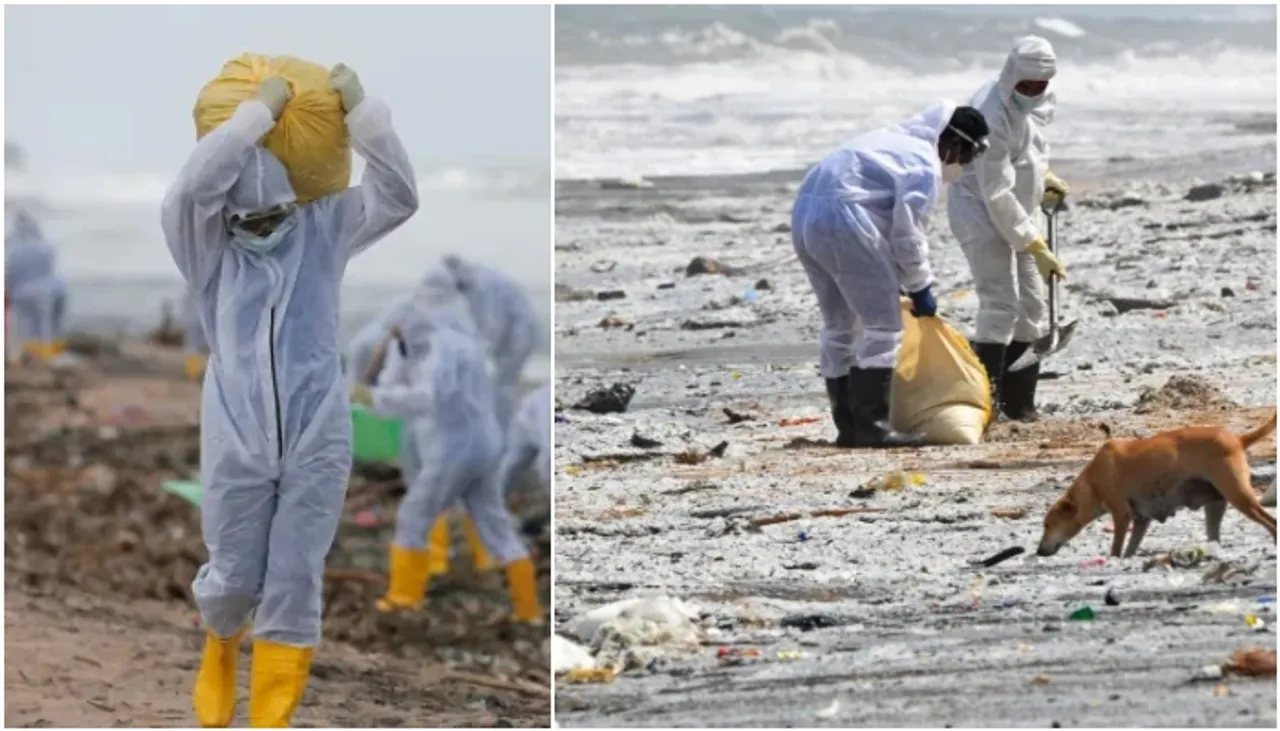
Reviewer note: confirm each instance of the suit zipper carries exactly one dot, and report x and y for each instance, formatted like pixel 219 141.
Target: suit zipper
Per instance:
pixel 275 387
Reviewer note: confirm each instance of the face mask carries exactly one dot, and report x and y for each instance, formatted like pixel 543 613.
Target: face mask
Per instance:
pixel 952 172
pixel 264 244
pixel 1027 103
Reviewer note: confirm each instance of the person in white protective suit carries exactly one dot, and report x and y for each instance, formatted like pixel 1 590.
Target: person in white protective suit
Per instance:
pixel 528 442
pixel 37 295
pixel 435 303
pixel 442 389
pixel 994 214
pixel 507 320
pixel 858 227
pixel 275 431
pixel 195 345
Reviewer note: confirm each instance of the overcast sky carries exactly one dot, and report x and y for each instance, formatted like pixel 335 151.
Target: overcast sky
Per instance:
pixel 106 88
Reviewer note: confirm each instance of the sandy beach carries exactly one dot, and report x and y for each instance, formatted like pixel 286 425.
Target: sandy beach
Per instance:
pixel 100 629
pixel 876 614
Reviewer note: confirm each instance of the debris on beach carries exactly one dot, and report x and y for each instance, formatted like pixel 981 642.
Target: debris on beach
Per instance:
pixel 611 400
pixel 1183 393
pixel 707 265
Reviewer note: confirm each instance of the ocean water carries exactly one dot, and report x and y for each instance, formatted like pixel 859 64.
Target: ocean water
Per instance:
pixel 121 276
pixel 716 90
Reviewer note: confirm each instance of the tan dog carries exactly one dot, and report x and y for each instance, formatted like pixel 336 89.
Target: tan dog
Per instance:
pixel 1141 480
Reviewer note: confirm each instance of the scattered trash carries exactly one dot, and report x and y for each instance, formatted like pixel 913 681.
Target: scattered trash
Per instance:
pixel 1182 393
pixel 718 450
pixel 1208 673
pixel 584 676
pixel 1110 599
pixel 1089 563
pixel 643 442
pixel 1024 647
pixel 829 712
pixel 1083 614
pixel 367 519
pixel 611 400
pixel 611 294
pixel 1010 513
pixel 613 322
pixel 799 420
pixel 707 265
pixel 603 266
pixel 808 622
pixel 1254 622
pixel 655 620
pixel 803 536
pixel 1224 571
pixel 1001 557
pixel 572 469
pixel 736 417
pixel 567 655
pixel 1220 690
pixel 735 656
pixel 1182 558
pixel 750 295
pixel 894 481
pixel 828 513
pixel 1040 680
pixel 690 456
pixel 788 655
pixel 1267 599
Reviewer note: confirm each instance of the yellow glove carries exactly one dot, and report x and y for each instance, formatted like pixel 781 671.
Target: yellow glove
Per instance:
pixel 360 394
pixel 1055 189
pixel 1046 262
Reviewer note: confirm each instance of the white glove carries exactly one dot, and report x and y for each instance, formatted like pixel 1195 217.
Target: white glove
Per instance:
pixel 275 92
pixel 344 81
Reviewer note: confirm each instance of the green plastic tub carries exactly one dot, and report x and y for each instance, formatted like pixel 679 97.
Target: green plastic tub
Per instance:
pixel 376 438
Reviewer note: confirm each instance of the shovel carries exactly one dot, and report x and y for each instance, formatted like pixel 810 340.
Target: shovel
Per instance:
pixel 1058 337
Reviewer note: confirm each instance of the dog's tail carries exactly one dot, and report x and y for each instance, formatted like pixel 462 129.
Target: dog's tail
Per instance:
pixel 1260 433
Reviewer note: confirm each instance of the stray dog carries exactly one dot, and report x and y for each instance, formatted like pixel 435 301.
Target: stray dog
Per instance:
pixel 1141 480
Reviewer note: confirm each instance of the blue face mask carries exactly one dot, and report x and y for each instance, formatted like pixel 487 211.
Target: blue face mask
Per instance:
pixel 264 244
pixel 1027 103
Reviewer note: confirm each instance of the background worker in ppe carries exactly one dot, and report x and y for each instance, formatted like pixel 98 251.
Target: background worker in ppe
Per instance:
pixel 195 346
pixel 858 227
pixel 37 295
pixel 994 214
pixel 507 321
pixel 528 442
pixel 275 423
pixel 444 393
pixel 434 304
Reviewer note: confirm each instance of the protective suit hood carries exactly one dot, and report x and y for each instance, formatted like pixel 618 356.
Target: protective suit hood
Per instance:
pixel 24 225
pixel 464 274
pixel 263 184
pixel 928 124
pixel 1032 59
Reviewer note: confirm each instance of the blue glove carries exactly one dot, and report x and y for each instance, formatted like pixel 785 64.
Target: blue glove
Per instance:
pixel 923 304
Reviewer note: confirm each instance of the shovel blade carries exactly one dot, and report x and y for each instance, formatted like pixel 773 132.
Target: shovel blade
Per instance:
pixel 1045 347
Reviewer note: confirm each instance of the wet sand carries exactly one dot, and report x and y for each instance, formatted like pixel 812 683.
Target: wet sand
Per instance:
pixel 895 624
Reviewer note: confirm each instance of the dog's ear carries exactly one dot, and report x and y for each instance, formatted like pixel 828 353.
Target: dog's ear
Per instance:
pixel 1106 429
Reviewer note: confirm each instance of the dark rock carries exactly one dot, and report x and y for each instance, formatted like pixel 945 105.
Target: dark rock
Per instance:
pixel 611 294
pixel 611 400
pixel 643 442
pixel 782 228
pixel 809 622
pixel 1206 192
pixel 763 285
pixel 706 265
pixel 667 285
pixel 1228 292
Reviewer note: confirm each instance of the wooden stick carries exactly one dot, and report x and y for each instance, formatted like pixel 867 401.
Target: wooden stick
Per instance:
pixel 828 513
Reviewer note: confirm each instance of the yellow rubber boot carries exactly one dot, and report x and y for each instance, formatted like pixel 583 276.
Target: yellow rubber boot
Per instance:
pixel 276 681
pixel 522 583
pixel 59 347
pixel 408 581
pixel 215 693
pixel 438 548
pixel 41 350
pixel 480 559
pixel 193 364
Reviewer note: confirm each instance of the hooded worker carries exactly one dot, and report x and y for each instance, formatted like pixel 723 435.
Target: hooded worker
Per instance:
pixel 507 321
pixel 195 345
pixel 528 442
pixel 275 431
pixel 37 295
pixel 443 391
pixel 993 214
pixel 375 354
pixel 858 227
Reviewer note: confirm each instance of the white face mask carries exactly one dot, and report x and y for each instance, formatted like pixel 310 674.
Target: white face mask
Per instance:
pixel 1027 103
pixel 952 172
pixel 264 244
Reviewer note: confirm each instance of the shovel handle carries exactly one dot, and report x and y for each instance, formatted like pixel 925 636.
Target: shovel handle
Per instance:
pixel 1051 239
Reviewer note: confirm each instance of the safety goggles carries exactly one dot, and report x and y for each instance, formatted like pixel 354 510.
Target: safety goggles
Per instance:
pixel 979 146
pixel 261 223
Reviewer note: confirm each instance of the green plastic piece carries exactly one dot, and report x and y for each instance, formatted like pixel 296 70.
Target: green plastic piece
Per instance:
pixel 190 490
pixel 1082 614
pixel 375 438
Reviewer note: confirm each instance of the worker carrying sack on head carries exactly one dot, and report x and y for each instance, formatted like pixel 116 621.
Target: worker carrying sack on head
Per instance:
pixel 993 214
pixel 275 422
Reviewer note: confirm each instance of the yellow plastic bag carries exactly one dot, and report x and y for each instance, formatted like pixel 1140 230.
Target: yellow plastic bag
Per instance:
pixel 310 137
pixel 940 388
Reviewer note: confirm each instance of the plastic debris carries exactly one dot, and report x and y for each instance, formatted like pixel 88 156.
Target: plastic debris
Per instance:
pixel 585 676
pixel 1207 673
pixel 829 712
pixel 1220 690
pixel 1040 680
pixel 1254 622
pixel 1111 600
pixel 1267 599
pixel 799 420
pixel 1010 513
pixel 1096 561
pixel 1001 557
pixel 787 655
pixel 367 519
pixel 567 656
pixel 1024 647
pixel 1083 614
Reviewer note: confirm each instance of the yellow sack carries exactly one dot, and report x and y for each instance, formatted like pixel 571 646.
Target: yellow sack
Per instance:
pixel 940 388
pixel 310 137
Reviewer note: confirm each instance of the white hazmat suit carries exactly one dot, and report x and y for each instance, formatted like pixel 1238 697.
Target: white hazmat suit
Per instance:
pixel 528 441
pixel 37 295
pixel 443 392
pixel 275 422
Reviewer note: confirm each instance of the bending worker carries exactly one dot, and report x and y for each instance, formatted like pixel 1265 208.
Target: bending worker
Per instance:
pixel 993 213
pixel 37 295
pixel 434 304
pixel 275 423
pixel 507 321
pixel 443 391
pixel 858 227
pixel 528 442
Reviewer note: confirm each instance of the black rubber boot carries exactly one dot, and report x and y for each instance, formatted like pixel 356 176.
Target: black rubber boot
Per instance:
pixel 841 410
pixel 869 392
pixel 992 356
pixel 1018 388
